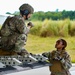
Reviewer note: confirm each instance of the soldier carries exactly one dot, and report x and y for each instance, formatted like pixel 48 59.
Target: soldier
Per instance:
pixel 14 31
pixel 59 58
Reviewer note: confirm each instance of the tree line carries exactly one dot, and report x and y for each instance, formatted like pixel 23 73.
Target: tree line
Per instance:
pixel 53 15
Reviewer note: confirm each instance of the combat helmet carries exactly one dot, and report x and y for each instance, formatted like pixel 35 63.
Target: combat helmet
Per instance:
pixel 25 9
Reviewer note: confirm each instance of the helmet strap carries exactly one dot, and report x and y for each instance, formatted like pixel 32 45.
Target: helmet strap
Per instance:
pixel 24 12
pixel 26 17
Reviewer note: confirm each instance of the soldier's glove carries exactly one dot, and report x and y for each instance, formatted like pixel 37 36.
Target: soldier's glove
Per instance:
pixel 30 24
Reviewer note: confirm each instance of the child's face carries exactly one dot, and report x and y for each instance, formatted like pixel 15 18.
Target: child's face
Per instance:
pixel 59 45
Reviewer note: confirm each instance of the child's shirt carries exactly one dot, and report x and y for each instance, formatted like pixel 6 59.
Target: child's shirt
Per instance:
pixel 61 62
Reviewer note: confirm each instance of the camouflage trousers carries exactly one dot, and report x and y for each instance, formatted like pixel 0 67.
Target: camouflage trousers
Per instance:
pixel 14 42
pixel 20 43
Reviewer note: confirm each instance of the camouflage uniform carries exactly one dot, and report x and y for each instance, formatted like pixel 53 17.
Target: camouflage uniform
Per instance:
pixel 61 62
pixel 14 31
pixel 13 34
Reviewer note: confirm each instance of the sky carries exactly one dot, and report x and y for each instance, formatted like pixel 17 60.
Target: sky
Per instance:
pixel 38 5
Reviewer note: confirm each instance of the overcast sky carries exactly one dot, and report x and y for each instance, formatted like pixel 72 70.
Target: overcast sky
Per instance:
pixel 39 5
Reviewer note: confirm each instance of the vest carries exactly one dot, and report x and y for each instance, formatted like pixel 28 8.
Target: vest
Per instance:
pixel 56 64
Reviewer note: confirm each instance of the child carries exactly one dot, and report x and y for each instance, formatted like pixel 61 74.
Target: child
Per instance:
pixel 59 58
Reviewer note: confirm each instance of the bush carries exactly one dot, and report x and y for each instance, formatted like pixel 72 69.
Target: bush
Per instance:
pixel 65 29
pixel 49 28
pixel 54 28
pixel 72 29
pixel 36 29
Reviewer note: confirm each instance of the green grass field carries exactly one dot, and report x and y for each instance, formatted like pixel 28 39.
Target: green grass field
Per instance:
pixel 37 45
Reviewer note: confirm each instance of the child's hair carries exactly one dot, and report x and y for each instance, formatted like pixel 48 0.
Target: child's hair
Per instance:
pixel 63 43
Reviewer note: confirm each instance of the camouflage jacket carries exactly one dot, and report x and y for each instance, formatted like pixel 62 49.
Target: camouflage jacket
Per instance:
pixel 13 25
pixel 61 64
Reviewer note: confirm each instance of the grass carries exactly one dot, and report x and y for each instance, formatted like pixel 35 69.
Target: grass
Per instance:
pixel 37 45
pixel 54 28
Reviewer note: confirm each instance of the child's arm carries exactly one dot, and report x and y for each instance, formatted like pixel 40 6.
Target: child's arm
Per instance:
pixel 46 54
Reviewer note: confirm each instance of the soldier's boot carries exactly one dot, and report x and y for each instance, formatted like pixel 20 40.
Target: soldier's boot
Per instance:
pixel 23 52
pixel 7 53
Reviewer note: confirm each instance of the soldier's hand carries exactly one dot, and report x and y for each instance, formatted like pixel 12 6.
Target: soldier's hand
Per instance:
pixel 30 24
